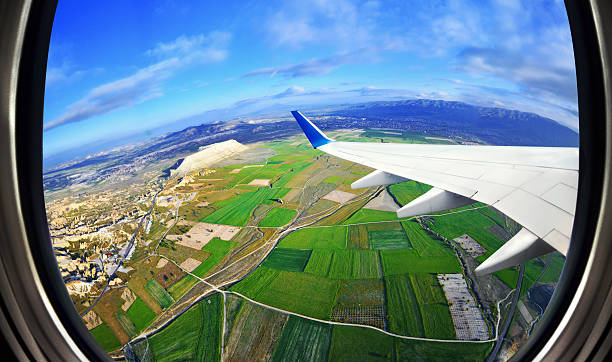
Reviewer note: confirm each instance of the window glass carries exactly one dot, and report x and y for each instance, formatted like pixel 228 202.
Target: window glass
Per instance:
pixel 191 217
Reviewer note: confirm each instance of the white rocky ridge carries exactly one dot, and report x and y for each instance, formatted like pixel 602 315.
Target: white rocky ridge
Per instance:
pixel 208 155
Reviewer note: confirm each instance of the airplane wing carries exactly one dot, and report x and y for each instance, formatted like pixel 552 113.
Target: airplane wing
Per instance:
pixel 535 186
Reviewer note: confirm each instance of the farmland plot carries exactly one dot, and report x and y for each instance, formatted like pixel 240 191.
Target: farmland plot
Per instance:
pixel 404 314
pixel 355 264
pixel 368 215
pixel 407 350
pixel 218 249
pixel 407 191
pixel 437 320
pixel 238 212
pixel 287 259
pixel 255 283
pixel 469 222
pixel 369 292
pixel 195 335
pixel 140 314
pixel 254 333
pixel 301 293
pixel 303 340
pixel 358 237
pixel 159 293
pixel 396 262
pixel 389 240
pixel 316 238
pixel 105 337
pixel 178 289
pixel 126 324
pixel 424 243
pixel 277 217
pixel 359 344
pixel 319 262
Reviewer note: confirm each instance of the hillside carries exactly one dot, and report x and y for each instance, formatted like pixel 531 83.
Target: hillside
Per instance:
pixel 496 126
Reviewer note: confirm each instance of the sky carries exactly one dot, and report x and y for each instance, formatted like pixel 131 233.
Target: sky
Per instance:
pixel 121 68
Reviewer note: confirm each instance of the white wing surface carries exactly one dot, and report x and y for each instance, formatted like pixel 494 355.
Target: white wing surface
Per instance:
pixel 535 186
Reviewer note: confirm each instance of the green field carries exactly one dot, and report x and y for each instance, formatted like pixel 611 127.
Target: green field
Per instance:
pixel 509 276
pixel 357 237
pixel 319 262
pixel 294 169
pixel 553 269
pixel 238 211
pixel 437 320
pixel 332 180
pixel 159 293
pixel 389 240
pixel 533 268
pixel 407 191
pixel 403 313
pixel 493 215
pixel 303 340
pixel 105 337
pixel 408 261
pixel 282 169
pixel 337 180
pixel 194 336
pixel 367 215
pixel 469 222
pixel 287 259
pixel 424 243
pixel 126 324
pixel 178 289
pixel 364 292
pixel 256 282
pixel 407 350
pixel 302 293
pixel 344 264
pixel 360 344
pixel 355 264
pixel 140 314
pixel 277 217
pixel 218 249
pixel 316 238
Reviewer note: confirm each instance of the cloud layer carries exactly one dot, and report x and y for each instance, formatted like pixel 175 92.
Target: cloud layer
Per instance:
pixel 146 83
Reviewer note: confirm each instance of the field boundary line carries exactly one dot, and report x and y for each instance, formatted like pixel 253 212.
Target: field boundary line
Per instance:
pixel 216 288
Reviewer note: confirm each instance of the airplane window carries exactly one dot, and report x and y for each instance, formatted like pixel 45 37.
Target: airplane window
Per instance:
pixel 341 180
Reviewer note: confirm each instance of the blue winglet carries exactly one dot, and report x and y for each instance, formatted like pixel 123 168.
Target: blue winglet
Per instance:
pixel 314 134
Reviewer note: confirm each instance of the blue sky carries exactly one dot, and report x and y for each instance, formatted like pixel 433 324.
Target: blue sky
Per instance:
pixel 124 67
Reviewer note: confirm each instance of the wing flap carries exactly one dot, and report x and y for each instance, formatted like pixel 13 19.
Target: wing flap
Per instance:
pixel 434 200
pixel 377 178
pixel 522 247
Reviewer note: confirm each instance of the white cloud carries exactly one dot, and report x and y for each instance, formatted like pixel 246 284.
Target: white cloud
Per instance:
pixel 200 47
pixel 146 83
pixel 315 66
pixel 343 23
